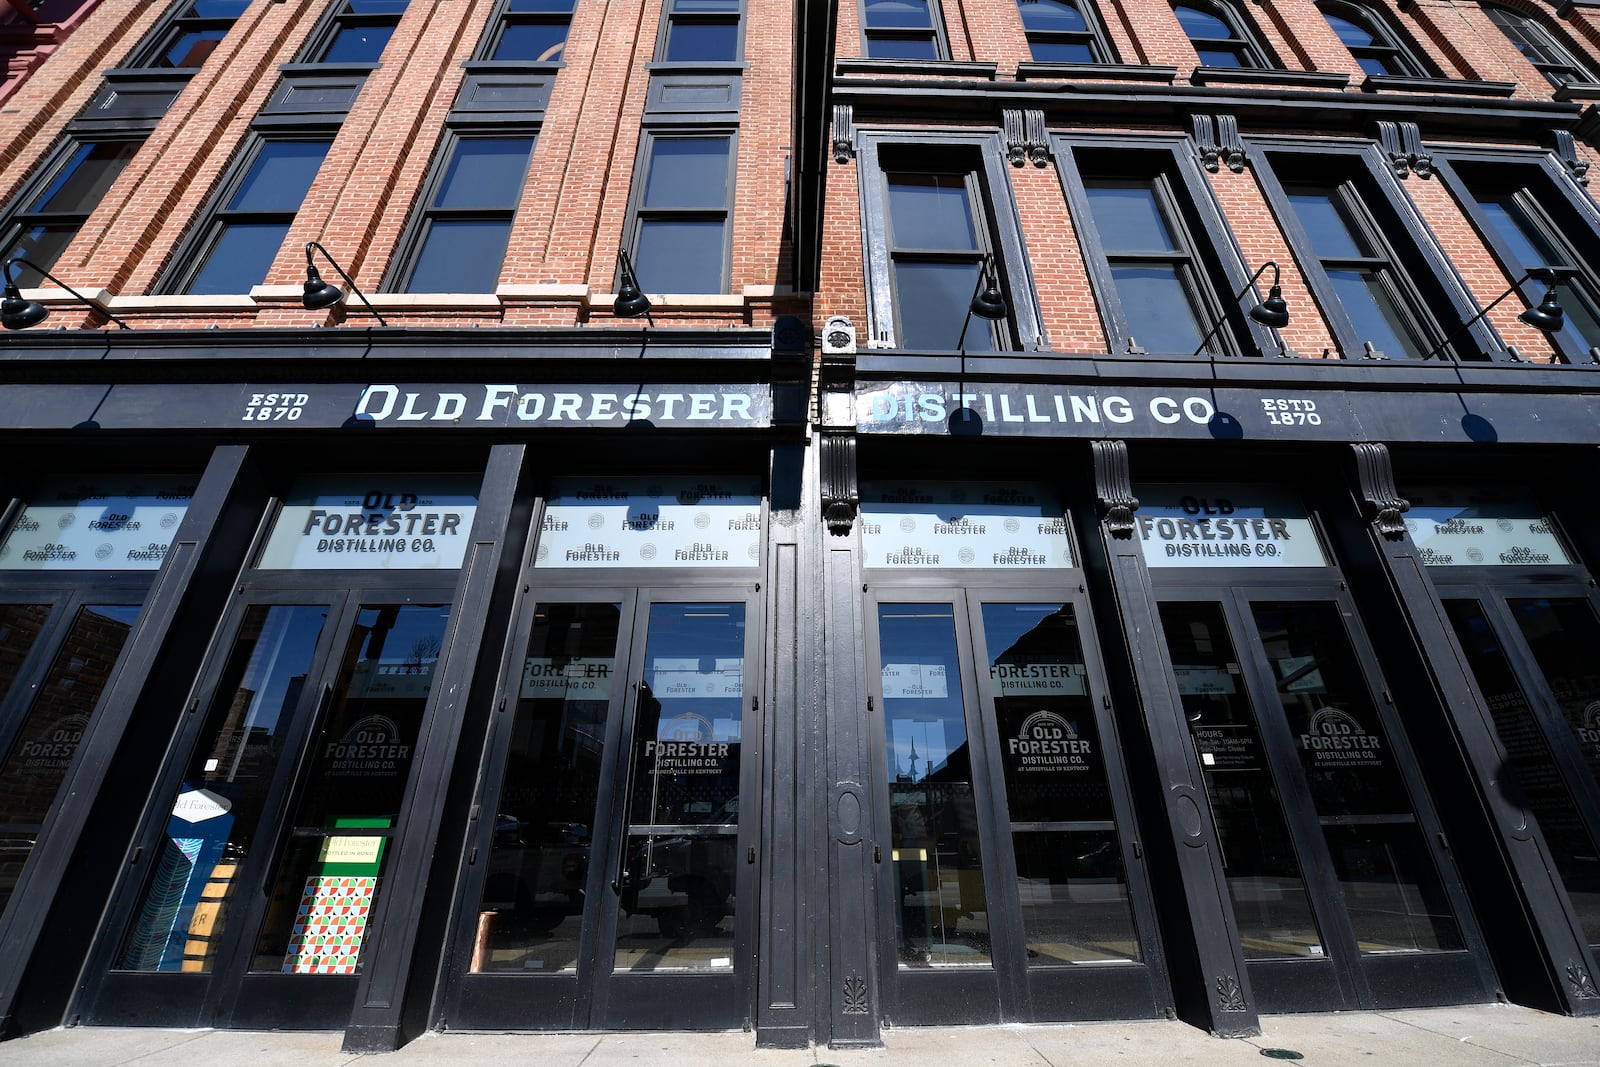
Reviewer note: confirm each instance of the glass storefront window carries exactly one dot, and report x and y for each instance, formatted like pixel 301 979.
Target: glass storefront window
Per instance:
pixel 216 812
pixel 680 859
pixel 360 763
pixel 1572 848
pixel 1563 634
pixel 1481 528
pixel 942 911
pixel 55 723
pixel 111 523
pixel 1265 884
pixel 1392 892
pixel 917 525
pixel 1070 878
pixel 532 905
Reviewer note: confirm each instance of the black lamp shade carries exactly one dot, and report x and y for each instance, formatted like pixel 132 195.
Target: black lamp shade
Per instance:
pixel 630 302
pixel 1273 311
pixel 989 304
pixel 318 293
pixel 1548 316
pixel 17 313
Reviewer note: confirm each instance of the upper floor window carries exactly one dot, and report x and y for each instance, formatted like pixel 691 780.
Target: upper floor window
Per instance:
pixel 680 226
pixel 357 32
pixel 457 243
pixel 1064 31
pixel 56 204
pixel 1147 226
pixel 238 239
pixel 1219 36
pixel 699 31
pixel 1375 46
pixel 528 31
pixel 902 29
pixel 188 34
pixel 1530 220
pixel 1558 65
pixel 934 206
pixel 1380 278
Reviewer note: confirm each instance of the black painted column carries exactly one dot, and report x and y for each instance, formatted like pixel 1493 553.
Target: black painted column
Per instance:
pixel 1203 952
pixel 63 888
pixel 396 968
pixel 848 870
pixel 1530 912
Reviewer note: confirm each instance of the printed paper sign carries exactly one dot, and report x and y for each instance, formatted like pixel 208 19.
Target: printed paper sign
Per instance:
pixel 397 522
pixel 350 850
pixel 1224 526
pixel 914 681
pixel 992 526
pixel 1481 528
pixel 664 522
pixel 107 524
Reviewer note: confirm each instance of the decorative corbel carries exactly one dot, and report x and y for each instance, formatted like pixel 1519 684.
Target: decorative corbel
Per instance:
pixel 1376 475
pixel 1026 138
pixel 1113 486
pixel 841 493
pixel 1402 143
pixel 844 137
pixel 1566 149
pixel 1216 139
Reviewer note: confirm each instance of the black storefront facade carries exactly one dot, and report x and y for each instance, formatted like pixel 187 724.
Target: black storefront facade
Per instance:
pixel 605 680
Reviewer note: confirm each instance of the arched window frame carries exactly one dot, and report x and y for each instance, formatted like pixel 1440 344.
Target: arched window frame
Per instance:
pixel 1242 44
pixel 1043 39
pixel 1541 46
pixel 1388 48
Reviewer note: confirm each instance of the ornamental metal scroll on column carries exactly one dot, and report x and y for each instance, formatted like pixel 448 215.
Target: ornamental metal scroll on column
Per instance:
pixel 1217 142
pixel 1114 486
pixel 1376 475
pixel 1026 136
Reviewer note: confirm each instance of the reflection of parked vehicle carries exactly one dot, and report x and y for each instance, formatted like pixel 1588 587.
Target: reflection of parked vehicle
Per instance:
pixel 684 878
pixel 539 882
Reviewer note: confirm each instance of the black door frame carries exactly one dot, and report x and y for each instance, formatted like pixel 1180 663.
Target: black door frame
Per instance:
pixel 1008 990
pixel 1491 588
pixel 229 995
pixel 1350 980
pixel 594 996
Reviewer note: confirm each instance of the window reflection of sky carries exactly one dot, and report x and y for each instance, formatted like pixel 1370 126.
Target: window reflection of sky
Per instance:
pixel 694 664
pixel 921 688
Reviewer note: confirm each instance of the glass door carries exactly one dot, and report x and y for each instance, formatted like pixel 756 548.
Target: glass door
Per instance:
pixel 261 868
pixel 1532 651
pixel 1006 888
pixel 619 887
pixel 1340 891
pixel 57 648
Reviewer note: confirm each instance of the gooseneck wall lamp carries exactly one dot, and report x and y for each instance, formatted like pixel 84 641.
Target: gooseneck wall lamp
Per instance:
pixel 1272 312
pixel 987 301
pixel 319 294
pixel 1547 317
pixel 631 301
pixel 18 314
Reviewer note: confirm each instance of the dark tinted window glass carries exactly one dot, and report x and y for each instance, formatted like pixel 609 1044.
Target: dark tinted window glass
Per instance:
pixel 687 172
pixel 1128 218
pixel 532 42
pixel 931 211
pixel 358 44
pixel 1202 24
pixel 705 42
pixel 1331 234
pixel 460 256
pixel 485 173
pixel 1051 15
pixel 240 258
pixel 932 302
pixel 885 14
pixel 680 256
pixel 193 48
pixel 86 177
pixel 280 176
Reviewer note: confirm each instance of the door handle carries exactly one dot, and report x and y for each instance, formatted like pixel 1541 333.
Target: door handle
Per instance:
pixel 286 832
pixel 627 787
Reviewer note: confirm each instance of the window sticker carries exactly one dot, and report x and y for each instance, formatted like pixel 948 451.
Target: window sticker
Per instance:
pixel 662 522
pixel 108 523
pixel 1481 528
pixel 986 525
pixel 392 522
pixel 1197 525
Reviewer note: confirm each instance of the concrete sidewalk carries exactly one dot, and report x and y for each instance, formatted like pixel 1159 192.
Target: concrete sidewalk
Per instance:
pixel 1451 1037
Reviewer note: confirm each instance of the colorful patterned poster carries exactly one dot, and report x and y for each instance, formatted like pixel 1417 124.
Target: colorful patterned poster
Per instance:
pixel 331 919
